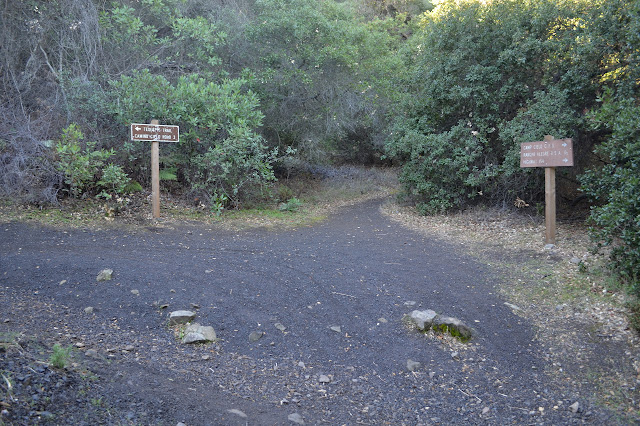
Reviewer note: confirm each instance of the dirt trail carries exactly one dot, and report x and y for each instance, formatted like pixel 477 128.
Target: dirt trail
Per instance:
pixel 358 271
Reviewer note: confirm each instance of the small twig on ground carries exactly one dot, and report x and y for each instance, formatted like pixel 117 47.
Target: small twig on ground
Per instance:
pixel 479 400
pixel 342 294
pixel 9 385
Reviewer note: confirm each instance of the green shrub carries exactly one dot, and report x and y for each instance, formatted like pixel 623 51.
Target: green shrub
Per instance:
pixel 59 358
pixel 217 204
pixel 133 186
pixel 242 160
pixel 79 161
pixel 615 188
pixel 613 183
pixel 292 205
pixel 482 77
pixel 220 151
pixel 321 73
pixel 169 174
pixel 284 193
pixel 437 168
pixel 114 181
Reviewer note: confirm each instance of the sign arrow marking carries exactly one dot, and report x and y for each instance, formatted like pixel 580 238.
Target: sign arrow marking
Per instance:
pixel 155 132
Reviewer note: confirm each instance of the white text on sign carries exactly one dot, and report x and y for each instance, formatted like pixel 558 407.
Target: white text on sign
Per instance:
pixel 151 132
pixel 553 153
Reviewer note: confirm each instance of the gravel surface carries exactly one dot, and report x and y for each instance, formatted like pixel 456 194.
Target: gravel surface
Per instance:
pixel 324 305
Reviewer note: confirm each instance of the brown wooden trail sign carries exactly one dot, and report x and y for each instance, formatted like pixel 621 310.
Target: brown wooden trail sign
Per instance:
pixel 549 153
pixel 155 133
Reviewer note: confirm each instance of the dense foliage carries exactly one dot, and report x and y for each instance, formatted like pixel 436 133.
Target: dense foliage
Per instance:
pixel 614 183
pixel 83 166
pixel 446 89
pixel 315 67
pixel 220 152
pixel 483 77
pixel 615 187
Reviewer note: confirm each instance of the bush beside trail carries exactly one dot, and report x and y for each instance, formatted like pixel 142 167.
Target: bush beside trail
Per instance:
pixel 481 78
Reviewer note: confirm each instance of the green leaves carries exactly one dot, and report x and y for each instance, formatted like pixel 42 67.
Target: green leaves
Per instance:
pixel 114 181
pixel 482 78
pixel 319 72
pixel 167 34
pixel 60 356
pixel 197 39
pixel 614 187
pixel 220 152
pixel 237 163
pixel 439 168
pixel 79 161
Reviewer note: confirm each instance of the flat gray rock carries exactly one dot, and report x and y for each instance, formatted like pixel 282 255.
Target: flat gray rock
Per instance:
pixel 196 333
pixel 296 418
pixel 92 353
pixel 104 275
pixel 190 338
pixel 413 365
pixel 181 317
pixel 423 319
pixel 512 306
pixel 255 336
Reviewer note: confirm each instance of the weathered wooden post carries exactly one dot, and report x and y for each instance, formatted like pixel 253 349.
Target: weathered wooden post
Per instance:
pixel 155 174
pixel 550 205
pixel 549 153
pixel 155 133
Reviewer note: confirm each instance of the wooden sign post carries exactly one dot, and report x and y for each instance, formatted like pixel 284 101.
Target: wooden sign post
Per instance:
pixel 155 175
pixel 550 205
pixel 549 153
pixel 155 133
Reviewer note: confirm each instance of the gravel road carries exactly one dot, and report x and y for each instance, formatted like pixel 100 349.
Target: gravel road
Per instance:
pixel 327 300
